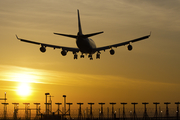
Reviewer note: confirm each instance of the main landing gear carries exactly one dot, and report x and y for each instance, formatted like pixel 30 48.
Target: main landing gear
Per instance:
pixel 82 56
pixel 90 56
pixel 75 56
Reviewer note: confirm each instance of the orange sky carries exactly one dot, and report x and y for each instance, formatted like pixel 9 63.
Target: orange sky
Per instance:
pixel 150 72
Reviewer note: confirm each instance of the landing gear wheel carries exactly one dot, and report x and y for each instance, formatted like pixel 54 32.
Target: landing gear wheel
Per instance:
pixel 75 56
pixel 82 56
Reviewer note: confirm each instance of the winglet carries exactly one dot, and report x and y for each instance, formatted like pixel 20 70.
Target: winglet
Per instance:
pixel 150 33
pixel 17 37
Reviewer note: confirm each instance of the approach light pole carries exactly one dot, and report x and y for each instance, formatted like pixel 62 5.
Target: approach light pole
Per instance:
pixel 46 100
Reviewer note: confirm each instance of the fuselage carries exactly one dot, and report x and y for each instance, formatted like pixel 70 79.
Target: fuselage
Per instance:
pixel 85 44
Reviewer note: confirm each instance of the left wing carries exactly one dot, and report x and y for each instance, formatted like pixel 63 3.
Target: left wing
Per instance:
pixel 121 44
pixel 49 45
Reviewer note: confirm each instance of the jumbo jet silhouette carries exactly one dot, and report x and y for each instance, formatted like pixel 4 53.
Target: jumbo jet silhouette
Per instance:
pixel 84 43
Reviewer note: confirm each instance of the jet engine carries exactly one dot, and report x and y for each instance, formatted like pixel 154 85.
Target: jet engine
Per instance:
pixel 63 52
pixel 129 47
pixel 42 49
pixel 112 52
pixel 98 56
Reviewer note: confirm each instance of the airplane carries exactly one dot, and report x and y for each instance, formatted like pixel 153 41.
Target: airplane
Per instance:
pixel 85 45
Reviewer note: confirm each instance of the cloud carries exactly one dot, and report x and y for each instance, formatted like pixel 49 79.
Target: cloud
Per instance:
pixel 22 74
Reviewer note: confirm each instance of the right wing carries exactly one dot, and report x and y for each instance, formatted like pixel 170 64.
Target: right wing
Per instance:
pixel 49 45
pixel 122 44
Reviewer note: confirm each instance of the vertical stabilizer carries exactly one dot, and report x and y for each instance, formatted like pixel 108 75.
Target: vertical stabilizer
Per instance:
pixel 79 23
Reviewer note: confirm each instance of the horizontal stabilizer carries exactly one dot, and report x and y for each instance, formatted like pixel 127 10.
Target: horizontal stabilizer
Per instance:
pixel 71 36
pixel 93 34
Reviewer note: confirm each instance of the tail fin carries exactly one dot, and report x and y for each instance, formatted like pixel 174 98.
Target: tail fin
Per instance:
pixel 79 24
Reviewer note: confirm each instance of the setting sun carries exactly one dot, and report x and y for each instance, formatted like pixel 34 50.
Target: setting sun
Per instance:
pixel 24 89
pixel 24 79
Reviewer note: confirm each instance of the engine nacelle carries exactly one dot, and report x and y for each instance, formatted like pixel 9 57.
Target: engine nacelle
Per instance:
pixel 63 52
pixel 98 56
pixel 42 49
pixel 112 52
pixel 129 47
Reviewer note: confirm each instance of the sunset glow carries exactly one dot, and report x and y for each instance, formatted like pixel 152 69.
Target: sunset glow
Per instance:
pixel 148 73
pixel 24 80
pixel 24 89
pixel 23 77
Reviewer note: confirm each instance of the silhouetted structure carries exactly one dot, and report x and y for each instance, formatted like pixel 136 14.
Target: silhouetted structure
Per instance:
pixel 46 94
pixel 16 105
pixel 124 114
pixel 113 113
pixel 5 106
pixel 167 109
pixel 50 105
pixel 5 110
pixel 156 111
pixel 134 112
pixel 91 114
pixel 101 112
pixel 64 108
pixel 37 109
pixel 4 97
pixel 80 113
pixel 60 115
pixel 58 110
pixel 69 110
pixel 27 116
pixel 47 106
pixel 107 112
pixel 145 115
pixel 177 111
